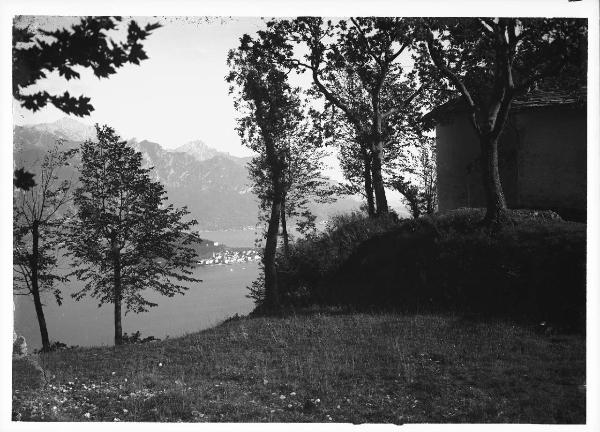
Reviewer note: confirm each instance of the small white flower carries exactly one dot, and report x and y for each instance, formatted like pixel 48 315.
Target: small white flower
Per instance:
pixel 125 379
pixel 116 419
pixel 289 405
pixel 87 415
pixel 160 365
pixel 125 410
pixel 54 408
pixel 112 373
pixel 317 400
pixel 293 394
pixel 282 397
pixel 265 382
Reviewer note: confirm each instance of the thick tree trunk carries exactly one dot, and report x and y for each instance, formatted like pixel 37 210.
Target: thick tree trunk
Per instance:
pixel 378 187
pixel 271 288
pixel 495 202
pixel 117 294
pixel 284 231
pixel 35 286
pixel 368 181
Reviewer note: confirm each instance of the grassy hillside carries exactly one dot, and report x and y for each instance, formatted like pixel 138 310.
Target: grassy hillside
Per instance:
pixel 335 367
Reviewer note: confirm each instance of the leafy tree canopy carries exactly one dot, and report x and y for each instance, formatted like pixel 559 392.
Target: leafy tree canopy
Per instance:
pixel 86 44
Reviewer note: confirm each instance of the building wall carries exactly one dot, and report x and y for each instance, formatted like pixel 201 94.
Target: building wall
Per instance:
pixel 542 160
pixel 552 163
pixel 459 165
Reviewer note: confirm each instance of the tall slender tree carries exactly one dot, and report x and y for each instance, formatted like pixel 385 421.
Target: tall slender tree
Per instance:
pixel 270 111
pixel 490 61
pixel 39 212
pixel 125 239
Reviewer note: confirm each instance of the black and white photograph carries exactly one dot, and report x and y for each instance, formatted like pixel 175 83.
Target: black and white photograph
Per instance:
pixel 335 216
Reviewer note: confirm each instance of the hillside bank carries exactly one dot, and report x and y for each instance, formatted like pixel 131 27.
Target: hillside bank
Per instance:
pixel 317 367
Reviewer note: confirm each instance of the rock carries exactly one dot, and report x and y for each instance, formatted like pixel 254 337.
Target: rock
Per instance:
pixel 19 345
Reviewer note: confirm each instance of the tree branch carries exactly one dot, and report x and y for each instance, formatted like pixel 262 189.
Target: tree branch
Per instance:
pixel 404 104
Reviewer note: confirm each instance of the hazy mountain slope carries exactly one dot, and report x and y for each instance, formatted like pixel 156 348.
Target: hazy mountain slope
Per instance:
pixel 213 185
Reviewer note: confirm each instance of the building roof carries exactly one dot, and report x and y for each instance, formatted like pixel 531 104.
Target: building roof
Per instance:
pixel 534 99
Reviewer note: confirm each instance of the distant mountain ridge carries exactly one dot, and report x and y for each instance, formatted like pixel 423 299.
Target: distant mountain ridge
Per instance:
pixel 213 185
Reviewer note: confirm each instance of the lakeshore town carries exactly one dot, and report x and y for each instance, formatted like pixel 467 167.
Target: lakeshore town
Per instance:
pixel 230 256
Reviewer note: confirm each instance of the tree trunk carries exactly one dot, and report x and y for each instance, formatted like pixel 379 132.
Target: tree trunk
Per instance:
pixel 495 202
pixel 117 293
pixel 271 288
pixel 35 288
pixel 378 187
pixel 368 181
pixel 284 232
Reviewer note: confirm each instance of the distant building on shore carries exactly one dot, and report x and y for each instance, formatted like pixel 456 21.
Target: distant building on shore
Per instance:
pixel 542 154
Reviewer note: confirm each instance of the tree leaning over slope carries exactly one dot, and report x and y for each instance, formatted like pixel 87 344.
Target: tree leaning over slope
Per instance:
pixel 38 215
pixel 489 61
pixel 125 238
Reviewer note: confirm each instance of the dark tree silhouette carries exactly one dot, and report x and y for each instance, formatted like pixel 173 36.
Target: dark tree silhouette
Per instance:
pixel 38 214
pixel 489 61
pixel 270 112
pixel 302 180
pixel 125 239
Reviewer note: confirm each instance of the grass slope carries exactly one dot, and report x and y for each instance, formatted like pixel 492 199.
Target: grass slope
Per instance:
pixel 320 368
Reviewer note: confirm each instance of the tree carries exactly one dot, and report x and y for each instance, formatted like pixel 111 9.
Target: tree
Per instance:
pixel 86 44
pixel 38 214
pixel 270 111
pixel 125 238
pixel 302 180
pixel 419 187
pixel 369 48
pixel 490 61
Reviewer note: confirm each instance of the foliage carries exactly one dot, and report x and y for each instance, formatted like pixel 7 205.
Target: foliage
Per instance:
pixel 269 122
pixel 23 179
pixel 419 186
pixel 124 228
pixel 315 259
pixel 532 270
pixel 135 338
pixel 355 67
pixel 86 44
pixel 43 207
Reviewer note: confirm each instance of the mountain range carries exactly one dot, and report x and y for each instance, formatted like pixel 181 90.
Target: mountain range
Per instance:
pixel 213 185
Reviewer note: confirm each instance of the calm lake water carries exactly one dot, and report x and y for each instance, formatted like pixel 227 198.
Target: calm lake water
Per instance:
pixel 221 294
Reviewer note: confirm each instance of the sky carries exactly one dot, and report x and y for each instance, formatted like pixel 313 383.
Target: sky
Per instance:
pixel 177 95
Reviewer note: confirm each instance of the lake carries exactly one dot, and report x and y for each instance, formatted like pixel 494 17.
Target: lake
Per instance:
pixel 221 294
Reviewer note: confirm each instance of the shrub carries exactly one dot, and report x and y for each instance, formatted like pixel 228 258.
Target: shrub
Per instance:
pixel 315 259
pixel 533 268
pixel 135 338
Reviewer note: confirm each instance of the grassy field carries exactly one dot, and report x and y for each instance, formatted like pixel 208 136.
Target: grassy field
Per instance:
pixel 317 367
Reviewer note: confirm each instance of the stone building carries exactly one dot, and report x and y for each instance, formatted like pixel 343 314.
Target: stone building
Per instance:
pixel 542 154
